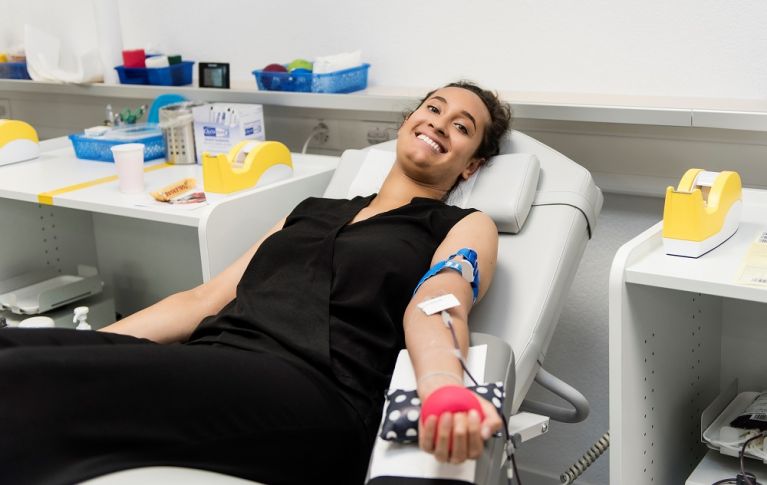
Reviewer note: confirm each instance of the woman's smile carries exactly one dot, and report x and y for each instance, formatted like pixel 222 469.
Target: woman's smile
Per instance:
pixel 433 144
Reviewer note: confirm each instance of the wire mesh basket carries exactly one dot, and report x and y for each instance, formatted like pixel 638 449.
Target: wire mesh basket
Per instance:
pixel 100 147
pixel 177 124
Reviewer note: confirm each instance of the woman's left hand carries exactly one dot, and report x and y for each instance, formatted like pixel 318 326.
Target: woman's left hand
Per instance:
pixel 456 437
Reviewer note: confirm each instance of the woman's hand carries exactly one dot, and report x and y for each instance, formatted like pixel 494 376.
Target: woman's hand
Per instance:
pixel 458 436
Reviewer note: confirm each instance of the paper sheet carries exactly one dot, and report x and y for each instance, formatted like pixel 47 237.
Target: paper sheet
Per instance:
pixel 394 459
pixel 753 271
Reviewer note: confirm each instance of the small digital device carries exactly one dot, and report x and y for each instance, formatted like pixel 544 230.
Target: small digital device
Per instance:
pixel 214 75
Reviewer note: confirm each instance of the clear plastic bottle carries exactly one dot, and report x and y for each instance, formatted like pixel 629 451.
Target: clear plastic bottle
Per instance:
pixel 81 315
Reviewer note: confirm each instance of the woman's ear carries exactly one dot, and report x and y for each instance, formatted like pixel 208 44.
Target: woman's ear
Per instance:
pixel 472 167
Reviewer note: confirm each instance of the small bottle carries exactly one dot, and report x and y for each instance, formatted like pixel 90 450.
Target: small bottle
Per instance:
pixel 110 116
pixel 81 314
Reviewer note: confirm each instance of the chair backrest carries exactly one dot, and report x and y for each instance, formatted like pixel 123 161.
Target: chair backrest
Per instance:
pixel 539 251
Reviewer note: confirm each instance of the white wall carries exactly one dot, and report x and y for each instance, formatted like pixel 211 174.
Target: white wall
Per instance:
pixel 701 48
pixel 707 48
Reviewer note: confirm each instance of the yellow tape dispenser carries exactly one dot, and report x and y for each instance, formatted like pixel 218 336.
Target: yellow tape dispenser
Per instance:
pixel 248 164
pixel 702 213
pixel 18 142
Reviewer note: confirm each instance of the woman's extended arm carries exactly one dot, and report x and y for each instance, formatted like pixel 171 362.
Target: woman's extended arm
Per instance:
pixel 174 318
pixel 431 348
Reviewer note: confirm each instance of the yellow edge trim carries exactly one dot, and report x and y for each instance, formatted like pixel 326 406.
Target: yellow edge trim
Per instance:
pixel 47 197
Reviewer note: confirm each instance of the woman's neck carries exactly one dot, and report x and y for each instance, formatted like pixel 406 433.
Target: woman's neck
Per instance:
pixel 398 189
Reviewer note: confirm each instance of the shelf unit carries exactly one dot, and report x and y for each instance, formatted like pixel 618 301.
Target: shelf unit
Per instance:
pixel 680 329
pixel 738 114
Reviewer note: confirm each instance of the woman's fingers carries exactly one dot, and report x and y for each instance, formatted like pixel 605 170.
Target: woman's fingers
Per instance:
pixel 456 437
pixel 475 442
pixel 459 450
pixel 444 432
pixel 492 422
pixel 426 433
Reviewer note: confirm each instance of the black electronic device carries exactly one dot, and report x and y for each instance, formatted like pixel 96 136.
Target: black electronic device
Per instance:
pixel 214 75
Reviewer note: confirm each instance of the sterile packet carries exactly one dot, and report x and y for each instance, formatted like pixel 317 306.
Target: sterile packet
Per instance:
pixel 754 416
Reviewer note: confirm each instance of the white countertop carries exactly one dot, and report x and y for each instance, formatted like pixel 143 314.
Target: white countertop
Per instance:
pixel 58 167
pixel 714 273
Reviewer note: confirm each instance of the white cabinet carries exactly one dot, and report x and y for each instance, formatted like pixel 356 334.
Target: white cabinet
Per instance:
pixel 680 330
pixel 143 253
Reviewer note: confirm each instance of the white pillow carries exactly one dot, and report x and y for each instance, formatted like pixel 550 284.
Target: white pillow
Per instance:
pixel 504 188
pixel 376 166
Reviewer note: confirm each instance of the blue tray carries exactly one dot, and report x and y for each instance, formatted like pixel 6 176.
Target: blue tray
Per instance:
pixel 99 147
pixel 344 81
pixel 174 75
pixel 14 70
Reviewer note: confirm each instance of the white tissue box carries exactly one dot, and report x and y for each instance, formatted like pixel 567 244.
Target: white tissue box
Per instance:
pixel 220 126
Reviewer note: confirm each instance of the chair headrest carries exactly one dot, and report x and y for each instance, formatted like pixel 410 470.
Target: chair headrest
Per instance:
pixel 504 188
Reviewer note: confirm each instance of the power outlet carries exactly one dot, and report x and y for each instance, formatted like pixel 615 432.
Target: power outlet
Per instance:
pixel 326 134
pixel 322 133
pixel 378 132
pixel 5 108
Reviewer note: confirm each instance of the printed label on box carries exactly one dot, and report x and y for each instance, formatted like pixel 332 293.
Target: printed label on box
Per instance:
pixel 220 126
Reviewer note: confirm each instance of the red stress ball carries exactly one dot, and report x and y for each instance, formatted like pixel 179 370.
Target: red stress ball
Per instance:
pixel 450 399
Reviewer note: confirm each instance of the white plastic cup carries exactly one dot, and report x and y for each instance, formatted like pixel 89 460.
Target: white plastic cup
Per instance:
pixel 129 162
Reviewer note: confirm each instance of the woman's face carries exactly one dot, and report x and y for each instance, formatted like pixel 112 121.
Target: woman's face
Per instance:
pixel 437 142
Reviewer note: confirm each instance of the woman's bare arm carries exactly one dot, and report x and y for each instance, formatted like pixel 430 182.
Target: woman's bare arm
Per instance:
pixel 430 343
pixel 174 318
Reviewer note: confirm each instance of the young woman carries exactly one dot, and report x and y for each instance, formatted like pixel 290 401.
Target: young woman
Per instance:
pixel 275 369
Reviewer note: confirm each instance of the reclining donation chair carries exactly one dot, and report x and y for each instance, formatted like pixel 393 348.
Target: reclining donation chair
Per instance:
pixel 545 207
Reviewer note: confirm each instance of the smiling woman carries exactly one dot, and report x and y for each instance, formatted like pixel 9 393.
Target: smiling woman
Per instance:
pixel 290 348
pixel 461 118
pixel 500 117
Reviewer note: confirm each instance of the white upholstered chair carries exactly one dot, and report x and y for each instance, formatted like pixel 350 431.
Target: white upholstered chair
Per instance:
pixel 546 207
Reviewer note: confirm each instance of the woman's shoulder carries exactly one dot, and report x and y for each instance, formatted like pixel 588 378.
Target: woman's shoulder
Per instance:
pixel 479 221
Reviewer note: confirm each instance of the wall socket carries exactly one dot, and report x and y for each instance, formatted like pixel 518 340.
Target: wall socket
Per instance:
pixel 341 134
pixel 376 132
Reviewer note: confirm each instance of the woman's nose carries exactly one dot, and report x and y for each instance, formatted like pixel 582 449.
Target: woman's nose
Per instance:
pixel 439 126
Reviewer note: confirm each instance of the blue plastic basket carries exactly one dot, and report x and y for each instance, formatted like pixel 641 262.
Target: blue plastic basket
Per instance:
pixel 174 75
pixel 99 148
pixel 344 81
pixel 14 70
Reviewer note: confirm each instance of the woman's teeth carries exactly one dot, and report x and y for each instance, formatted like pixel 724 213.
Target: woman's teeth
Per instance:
pixel 433 144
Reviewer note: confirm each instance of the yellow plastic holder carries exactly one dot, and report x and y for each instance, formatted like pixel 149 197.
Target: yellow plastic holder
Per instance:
pixel 248 164
pixel 18 142
pixel 702 213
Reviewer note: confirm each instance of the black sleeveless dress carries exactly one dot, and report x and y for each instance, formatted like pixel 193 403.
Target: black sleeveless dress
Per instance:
pixel 310 339
pixel 329 294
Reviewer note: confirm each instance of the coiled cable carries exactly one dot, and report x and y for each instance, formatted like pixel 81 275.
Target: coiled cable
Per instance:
pixel 586 460
pixel 320 129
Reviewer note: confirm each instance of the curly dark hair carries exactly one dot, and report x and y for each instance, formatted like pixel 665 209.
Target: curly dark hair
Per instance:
pixel 500 117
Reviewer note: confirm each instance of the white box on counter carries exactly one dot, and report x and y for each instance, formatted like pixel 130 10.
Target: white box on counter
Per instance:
pixel 220 126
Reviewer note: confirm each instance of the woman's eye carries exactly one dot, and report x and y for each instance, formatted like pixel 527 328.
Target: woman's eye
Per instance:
pixel 462 128
pixel 432 108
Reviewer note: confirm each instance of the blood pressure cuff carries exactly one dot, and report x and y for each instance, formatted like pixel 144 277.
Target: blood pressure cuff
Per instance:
pixel 403 410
